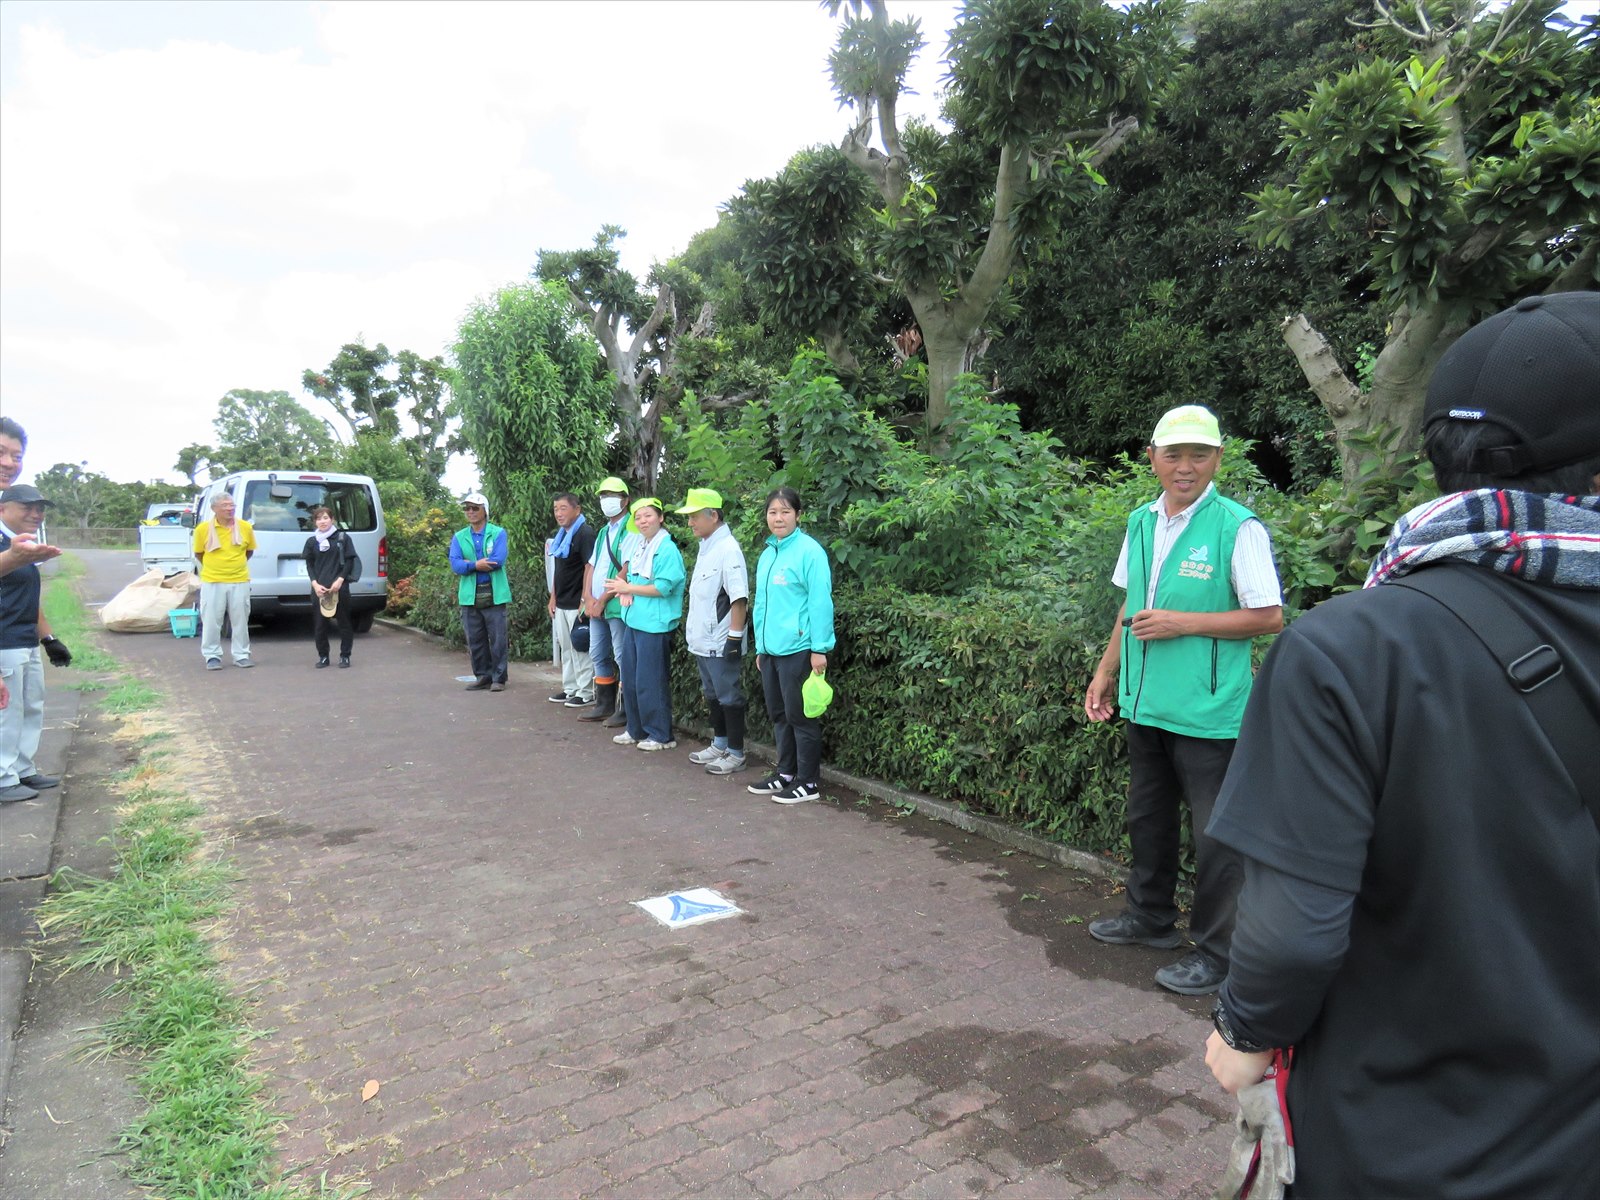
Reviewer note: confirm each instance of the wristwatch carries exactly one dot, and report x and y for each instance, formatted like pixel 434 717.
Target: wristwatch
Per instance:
pixel 1219 1018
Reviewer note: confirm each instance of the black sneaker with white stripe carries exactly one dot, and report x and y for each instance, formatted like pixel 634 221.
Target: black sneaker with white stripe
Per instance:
pixel 798 793
pixel 770 786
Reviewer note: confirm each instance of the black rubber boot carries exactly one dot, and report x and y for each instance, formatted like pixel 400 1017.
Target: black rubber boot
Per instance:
pixel 618 719
pixel 605 702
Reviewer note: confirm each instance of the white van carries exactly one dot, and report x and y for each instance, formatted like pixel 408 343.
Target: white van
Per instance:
pixel 278 505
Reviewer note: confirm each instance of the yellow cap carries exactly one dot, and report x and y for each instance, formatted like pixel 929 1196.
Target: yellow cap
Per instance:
pixel 646 502
pixel 1187 425
pixel 700 498
pixel 611 484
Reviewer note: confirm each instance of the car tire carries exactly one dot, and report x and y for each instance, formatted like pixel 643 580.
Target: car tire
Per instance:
pixel 362 622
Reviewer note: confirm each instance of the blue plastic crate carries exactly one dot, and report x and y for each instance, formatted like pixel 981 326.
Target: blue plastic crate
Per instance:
pixel 185 622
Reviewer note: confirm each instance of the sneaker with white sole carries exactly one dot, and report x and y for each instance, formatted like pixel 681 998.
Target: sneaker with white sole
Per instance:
pixel 770 786
pixel 579 702
pixel 704 758
pixel 728 764
pixel 798 793
pixel 650 744
pixel 624 738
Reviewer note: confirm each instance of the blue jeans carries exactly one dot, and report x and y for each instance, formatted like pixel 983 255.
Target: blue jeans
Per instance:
pixel 646 686
pixel 605 647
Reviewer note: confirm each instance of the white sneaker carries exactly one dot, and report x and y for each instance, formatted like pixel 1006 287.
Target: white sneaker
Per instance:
pixel 624 738
pixel 706 757
pixel 652 744
pixel 728 764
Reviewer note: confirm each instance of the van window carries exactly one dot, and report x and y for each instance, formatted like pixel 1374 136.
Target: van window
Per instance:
pixel 351 504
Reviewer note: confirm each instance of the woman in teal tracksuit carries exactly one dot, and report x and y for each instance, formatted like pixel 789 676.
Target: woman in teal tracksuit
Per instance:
pixel 651 595
pixel 793 622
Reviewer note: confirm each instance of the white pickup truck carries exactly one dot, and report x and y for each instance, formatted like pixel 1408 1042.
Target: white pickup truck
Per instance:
pixel 165 537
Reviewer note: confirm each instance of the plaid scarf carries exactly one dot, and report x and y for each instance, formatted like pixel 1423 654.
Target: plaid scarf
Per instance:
pixel 1552 540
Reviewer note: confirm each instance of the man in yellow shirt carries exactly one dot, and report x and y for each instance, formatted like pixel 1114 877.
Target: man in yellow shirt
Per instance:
pixel 224 545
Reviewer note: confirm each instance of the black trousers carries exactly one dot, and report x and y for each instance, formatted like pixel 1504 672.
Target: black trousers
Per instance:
pixel 1166 769
pixel 798 737
pixel 340 618
pixel 487 641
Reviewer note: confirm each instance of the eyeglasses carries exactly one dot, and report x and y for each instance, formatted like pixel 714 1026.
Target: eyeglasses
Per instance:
pixel 472 508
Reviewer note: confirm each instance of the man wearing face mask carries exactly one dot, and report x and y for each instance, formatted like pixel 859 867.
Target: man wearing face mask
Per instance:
pixel 605 613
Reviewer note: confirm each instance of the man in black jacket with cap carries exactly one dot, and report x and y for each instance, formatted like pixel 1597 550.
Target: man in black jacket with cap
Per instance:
pixel 1415 800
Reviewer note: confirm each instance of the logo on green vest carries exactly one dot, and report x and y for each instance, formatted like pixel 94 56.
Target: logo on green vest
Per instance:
pixel 1198 565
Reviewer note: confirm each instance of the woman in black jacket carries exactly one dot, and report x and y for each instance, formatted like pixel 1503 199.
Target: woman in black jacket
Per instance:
pixel 328 552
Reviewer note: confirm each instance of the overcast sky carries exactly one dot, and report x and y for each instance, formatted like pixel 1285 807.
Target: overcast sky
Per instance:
pixel 203 196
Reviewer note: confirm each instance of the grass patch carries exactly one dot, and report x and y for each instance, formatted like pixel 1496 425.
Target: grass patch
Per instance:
pixel 208 1132
pixel 131 696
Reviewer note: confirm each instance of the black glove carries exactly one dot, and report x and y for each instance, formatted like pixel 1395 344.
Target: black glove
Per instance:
pixel 60 656
pixel 734 648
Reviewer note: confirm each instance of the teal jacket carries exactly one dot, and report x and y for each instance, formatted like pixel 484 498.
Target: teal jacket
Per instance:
pixel 658 614
pixel 794 597
pixel 1196 686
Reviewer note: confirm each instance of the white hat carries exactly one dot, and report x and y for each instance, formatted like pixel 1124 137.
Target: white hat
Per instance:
pixel 477 498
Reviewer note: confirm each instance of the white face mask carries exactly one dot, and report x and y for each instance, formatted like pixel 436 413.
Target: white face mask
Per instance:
pixel 611 505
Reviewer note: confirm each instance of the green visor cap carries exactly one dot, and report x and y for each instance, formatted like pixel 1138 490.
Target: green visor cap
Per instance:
pixel 1187 425
pixel 611 484
pixel 645 502
pixel 699 498
pixel 816 693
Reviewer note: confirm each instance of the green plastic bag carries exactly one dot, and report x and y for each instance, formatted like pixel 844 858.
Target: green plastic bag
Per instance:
pixel 816 693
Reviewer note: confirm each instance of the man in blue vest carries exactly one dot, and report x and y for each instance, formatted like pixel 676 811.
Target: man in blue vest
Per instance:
pixel 478 556
pixel 1201 584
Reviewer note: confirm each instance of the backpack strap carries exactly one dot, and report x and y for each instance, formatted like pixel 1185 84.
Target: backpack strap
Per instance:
pixel 1532 666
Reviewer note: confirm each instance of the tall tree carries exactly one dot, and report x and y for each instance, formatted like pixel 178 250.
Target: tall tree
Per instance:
pixel 637 330
pixel 1154 296
pixel 197 457
pixel 535 403
pixel 270 431
pixel 1043 92
pixel 1474 165
pixel 373 389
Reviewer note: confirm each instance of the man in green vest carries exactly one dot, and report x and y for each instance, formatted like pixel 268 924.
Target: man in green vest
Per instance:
pixel 1201 584
pixel 478 556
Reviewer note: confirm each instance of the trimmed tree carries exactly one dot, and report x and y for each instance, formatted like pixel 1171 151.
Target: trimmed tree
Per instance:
pixel 1474 166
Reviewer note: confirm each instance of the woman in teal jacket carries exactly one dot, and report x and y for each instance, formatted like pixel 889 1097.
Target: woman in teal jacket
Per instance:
pixel 651 594
pixel 793 622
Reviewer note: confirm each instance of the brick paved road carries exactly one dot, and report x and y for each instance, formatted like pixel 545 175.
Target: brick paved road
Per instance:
pixel 435 894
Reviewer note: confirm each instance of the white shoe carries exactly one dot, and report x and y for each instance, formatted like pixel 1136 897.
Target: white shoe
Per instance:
pixel 652 744
pixel 704 758
pixel 624 738
pixel 728 764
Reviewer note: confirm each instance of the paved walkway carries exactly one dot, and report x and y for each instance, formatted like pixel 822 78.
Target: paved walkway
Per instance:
pixel 435 893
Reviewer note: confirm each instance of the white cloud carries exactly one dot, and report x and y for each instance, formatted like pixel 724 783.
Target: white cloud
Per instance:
pixel 180 215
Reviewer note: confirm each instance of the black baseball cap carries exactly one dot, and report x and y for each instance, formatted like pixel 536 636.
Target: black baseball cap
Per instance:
pixel 24 493
pixel 1534 371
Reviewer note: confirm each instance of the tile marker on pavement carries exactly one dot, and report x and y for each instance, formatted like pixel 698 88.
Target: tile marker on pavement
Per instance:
pixel 695 906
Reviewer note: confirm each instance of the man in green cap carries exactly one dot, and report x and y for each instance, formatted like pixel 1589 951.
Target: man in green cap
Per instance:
pixel 1201 584
pixel 719 598
pixel 605 613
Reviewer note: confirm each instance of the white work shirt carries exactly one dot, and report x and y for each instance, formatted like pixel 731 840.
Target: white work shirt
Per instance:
pixel 718 568
pixel 1251 571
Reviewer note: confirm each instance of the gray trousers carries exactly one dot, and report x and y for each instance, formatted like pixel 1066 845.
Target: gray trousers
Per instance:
pixel 22 720
pixel 216 601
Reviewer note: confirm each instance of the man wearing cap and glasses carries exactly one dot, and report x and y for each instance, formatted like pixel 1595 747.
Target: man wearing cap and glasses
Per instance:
pixel 719 597
pixel 478 556
pixel 605 612
pixel 23 630
pixel 1201 584
pixel 1415 798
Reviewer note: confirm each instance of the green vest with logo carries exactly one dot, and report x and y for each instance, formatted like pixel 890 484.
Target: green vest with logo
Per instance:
pixel 467 588
pixel 1195 686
